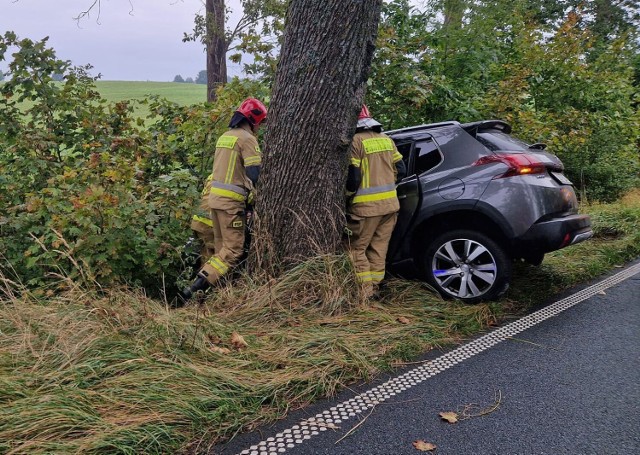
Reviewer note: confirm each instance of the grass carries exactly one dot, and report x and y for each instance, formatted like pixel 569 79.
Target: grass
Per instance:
pixel 115 91
pixel 112 371
pixel 181 93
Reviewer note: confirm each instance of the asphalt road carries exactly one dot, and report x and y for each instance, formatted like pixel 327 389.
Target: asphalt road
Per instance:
pixel 568 385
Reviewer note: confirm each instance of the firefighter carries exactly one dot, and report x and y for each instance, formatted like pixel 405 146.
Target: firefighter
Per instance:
pixel 202 225
pixel 372 204
pixel 236 168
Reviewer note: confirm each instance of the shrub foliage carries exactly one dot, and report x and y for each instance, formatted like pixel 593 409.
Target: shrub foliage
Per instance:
pixel 90 192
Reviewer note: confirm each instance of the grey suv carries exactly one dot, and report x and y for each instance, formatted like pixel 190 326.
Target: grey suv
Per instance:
pixel 475 199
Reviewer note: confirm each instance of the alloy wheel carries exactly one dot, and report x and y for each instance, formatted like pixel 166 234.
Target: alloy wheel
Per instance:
pixel 464 268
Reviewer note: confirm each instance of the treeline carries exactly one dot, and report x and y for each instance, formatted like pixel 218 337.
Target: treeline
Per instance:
pixel 201 78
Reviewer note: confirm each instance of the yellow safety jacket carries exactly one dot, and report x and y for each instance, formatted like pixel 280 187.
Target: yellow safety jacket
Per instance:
pixel 230 187
pixel 375 154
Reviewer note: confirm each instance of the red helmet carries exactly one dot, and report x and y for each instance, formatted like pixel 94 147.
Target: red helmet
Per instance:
pixel 364 113
pixel 365 121
pixel 253 110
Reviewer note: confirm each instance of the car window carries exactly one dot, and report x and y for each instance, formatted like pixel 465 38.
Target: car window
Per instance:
pixel 428 156
pixel 405 150
pixel 497 141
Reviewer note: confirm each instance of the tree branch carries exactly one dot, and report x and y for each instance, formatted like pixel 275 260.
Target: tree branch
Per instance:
pixel 97 4
pixel 86 13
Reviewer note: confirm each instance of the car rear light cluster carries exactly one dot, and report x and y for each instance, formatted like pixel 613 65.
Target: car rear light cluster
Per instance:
pixel 517 163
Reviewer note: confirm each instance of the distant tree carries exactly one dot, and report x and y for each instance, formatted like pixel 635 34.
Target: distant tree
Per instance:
pixel 201 78
pixel 257 32
pixel 189 80
pixel 254 33
pixel 178 78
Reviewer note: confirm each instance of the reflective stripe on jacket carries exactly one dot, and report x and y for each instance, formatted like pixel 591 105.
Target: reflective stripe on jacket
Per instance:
pixel 236 149
pixel 375 154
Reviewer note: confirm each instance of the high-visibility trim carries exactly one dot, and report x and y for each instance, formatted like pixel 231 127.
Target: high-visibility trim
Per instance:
pixel 355 162
pixel 377 145
pixel 227 193
pixel 364 277
pixel 232 167
pixel 377 189
pixel 207 183
pixel 226 142
pixel 203 220
pixel 365 173
pixel 217 264
pixel 228 186
pixel 377 277
pixel 253 161
pixel 375 197
pixel 397 156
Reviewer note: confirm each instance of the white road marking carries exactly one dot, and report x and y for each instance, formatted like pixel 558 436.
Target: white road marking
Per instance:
pixel 335 415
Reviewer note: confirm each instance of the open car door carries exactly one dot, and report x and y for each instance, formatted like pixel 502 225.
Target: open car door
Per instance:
pixel 409 196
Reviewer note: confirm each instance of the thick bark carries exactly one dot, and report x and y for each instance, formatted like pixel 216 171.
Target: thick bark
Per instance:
pixel 318 92
pixel 216 47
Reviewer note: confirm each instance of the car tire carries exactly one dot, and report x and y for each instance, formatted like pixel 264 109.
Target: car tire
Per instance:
pixel 467 265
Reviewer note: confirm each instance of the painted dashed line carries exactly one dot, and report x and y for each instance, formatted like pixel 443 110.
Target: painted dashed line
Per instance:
pixel 332 417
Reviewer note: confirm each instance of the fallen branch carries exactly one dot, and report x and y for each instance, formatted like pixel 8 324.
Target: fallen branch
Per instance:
pixel 358 425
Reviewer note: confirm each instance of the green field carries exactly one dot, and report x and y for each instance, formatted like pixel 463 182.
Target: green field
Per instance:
pixel 181 93
pixel 173 91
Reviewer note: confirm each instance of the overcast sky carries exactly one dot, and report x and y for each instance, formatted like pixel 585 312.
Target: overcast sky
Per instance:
pixel 140 44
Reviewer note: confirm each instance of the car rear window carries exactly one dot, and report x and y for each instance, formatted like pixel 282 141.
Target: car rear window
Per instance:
pixel 497 141
pixel 428 156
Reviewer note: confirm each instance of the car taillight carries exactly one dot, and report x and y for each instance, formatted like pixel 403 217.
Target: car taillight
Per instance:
pixel 518 163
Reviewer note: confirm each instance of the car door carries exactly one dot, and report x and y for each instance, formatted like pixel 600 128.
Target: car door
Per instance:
pixel 422 157
pixel 409 197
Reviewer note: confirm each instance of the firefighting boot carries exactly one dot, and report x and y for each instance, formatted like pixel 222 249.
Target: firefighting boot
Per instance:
pixel 200 284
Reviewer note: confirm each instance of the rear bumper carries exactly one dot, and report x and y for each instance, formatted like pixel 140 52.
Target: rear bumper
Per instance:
pixel 554 234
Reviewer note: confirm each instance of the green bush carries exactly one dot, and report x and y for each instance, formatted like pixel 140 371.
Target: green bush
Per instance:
pixel 91 192
pixel 552 80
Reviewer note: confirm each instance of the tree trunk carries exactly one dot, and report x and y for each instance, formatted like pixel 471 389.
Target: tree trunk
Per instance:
pixel 453 14
pixel 216 47
pixel 317 94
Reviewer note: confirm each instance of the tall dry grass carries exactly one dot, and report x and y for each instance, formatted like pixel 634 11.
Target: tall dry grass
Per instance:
pixel 95 371
pixel 92 370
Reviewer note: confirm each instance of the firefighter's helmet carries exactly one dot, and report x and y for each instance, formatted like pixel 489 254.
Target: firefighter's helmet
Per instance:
pixel 253 110
pixel 365 121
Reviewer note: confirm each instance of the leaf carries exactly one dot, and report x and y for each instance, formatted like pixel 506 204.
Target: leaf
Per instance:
pixel 220 350
pixel 450 417
pixel 403 320
pixel 602 293
pixel 238 341
pixel 423 446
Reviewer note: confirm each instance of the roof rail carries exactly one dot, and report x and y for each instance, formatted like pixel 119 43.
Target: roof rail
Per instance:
pixel 421 127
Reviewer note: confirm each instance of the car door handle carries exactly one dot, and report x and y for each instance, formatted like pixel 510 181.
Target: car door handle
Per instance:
pixel 402 196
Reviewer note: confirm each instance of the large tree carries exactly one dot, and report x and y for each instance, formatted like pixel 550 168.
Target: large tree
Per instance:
pixel 318 91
